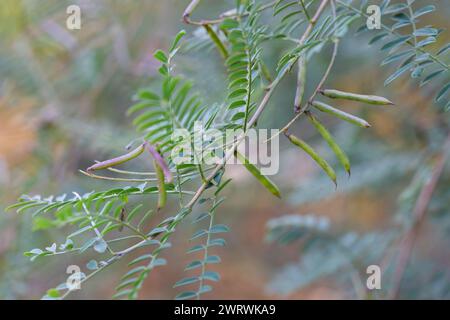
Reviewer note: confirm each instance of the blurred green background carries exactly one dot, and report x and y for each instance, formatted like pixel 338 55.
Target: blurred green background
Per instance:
pixel 63 98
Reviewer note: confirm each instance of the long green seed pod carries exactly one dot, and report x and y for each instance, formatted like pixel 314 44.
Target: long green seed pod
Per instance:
pixel 301 81
pixel 266 182
pixel 336 94
pixel 215 38
pixel 340 114
pixel 340 154
pixel 313 154
pixel 162 193
pixel 119 160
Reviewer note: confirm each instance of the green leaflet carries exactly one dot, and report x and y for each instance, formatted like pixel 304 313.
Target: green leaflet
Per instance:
pixel 340 154
pixel 176 106
pixel 173 49
pixel 370 99
pixel 266 182
pixel 161 56
pixel 313 154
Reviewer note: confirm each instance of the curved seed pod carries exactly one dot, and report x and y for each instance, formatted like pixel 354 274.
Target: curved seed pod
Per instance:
pixel 162 193
pixel 266 182
pixel 119 160
pixel 160 161
pixel 340 114
pixel 336 94
pixel 340 154
pixel 301 80
pixel 313 154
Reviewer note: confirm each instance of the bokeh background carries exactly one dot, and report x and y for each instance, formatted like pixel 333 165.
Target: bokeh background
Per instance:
pixel 63 98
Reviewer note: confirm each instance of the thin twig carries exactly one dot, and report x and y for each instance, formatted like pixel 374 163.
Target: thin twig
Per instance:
pixel 93 224
pixel 117 256
pixel 321 82
pixel 332 60
pixel 330 64
pixel 419 213
pixel 132 172
pixel 123 223
pixel 188 11
pixel 313 21
pixel 91 175
pixel 205 251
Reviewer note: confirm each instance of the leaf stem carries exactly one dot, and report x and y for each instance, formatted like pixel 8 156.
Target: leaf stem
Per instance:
pixel 205 253
pixel 97 232
pixel 304 10
pixel 91 175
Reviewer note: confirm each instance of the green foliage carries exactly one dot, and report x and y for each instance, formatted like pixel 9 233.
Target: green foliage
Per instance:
pixel 132 281
pixel 206 259
pixel 340 255
pixel 119 222
pixel 243 65
pixel 174 108
pixel 325 251
pixel 405 42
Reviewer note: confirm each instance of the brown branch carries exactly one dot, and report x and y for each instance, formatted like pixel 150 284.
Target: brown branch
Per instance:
pixel 419 214
pixel 188 11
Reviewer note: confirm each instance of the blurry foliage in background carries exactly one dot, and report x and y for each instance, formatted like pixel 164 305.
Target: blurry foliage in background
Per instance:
pixel 63 100
pixel 418 173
